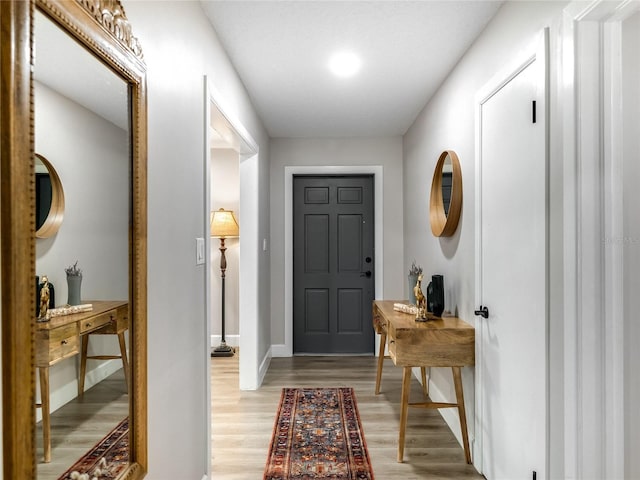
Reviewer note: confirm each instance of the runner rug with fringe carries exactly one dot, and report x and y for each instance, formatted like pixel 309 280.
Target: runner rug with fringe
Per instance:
pixel 107 459
pixel 318 435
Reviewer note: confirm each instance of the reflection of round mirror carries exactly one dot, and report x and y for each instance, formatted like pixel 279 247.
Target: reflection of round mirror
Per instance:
pixel 446 195
pixel 49 199
pixel 447 181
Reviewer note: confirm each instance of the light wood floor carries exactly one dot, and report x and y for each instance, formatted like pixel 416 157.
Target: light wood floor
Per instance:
pixel 242 421
pixel 80 424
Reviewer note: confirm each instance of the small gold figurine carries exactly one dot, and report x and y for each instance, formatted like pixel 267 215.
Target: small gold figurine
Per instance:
pixel 44 298
pixel 421 301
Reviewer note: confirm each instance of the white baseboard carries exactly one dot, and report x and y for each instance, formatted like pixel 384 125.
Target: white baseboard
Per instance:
pixel 281 350
pixel 264 366
pixel 232 340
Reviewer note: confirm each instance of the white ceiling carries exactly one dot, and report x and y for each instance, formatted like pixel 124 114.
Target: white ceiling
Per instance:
pixel 281 50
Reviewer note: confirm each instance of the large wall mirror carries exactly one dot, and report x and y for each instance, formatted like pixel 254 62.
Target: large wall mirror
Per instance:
pixel 445 202
pixel 74 378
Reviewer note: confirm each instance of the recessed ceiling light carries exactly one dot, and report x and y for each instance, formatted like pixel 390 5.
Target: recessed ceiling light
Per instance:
pixel 344 64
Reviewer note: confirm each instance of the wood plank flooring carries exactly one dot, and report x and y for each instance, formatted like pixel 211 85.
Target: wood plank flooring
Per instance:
pixel 82 423
pixel 242 421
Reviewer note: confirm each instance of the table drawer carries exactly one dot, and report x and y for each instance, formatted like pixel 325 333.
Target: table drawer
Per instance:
pixel 119 321
pixel 392 350
pixel 379 323
pixel 392 343
pixel 96 322
pixel 56 344
pixel 433 348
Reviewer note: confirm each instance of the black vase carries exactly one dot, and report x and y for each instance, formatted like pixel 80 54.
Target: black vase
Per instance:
pixel 435 295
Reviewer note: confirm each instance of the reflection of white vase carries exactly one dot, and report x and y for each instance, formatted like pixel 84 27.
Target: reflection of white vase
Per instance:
pixel 413 279
pixel 73 285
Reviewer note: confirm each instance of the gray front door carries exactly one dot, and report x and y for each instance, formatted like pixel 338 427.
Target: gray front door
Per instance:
pixel 333 273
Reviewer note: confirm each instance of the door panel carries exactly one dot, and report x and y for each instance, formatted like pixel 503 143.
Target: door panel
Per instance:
pixel 316 249
pixel 333 236
pixel 349 310
pixel 317 310
pixel 349 243
pixel 512 264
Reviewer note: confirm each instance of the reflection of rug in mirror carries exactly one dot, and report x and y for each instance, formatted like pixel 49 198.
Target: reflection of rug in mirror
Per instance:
pixel 318 435
pixel 114 448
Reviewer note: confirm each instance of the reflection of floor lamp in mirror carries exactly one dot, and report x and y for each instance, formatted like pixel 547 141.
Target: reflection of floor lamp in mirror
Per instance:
pixel 223 225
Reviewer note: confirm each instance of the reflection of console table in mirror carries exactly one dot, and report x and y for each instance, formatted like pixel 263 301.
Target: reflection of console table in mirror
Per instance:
pixel 441 342
pixel 61 337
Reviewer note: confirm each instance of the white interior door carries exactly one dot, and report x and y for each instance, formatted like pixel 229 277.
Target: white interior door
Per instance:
pixel 512 274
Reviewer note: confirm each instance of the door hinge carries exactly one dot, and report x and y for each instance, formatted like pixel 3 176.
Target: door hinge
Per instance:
pixel 533 111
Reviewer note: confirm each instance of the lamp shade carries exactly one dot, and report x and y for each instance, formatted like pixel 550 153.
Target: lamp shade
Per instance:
pixel 223 224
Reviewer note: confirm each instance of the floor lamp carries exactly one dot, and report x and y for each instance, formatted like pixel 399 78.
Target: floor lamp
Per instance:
pixel 223 225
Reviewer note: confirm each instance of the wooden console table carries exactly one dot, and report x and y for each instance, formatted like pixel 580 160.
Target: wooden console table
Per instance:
pixel 441 342
pixel 60 338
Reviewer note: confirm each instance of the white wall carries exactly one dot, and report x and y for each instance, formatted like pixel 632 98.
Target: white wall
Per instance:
pixel 448 122
pixel 225 193
pixel 91 157
pixel 387 152
pixel 631 200
pixel 180 47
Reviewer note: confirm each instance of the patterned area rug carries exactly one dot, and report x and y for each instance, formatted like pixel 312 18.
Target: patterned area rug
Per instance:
pixel 114 449
pixel 318 435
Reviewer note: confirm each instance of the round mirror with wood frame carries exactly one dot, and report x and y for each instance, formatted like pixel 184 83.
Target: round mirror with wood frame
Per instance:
pixel 101 27
pixel 445 203
pixel 49 199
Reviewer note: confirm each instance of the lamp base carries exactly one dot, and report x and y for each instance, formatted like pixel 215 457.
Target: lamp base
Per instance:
pixel 223 350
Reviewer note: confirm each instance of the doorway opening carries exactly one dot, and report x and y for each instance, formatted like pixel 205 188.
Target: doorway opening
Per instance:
pixel 231 182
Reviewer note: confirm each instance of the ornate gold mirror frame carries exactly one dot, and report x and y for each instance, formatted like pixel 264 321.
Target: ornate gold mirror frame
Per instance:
pixel 102 28
pixel 444 224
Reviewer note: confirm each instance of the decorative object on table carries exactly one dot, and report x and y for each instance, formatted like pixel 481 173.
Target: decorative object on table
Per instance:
pixel 435 295
pixel 74 281
pixel 46 293
pixel 445 202
pixel 37 296
pixel 318 435
pixel 414 271
pixel 69 310
pixel 421 303
pixel 107 459
pixel 223 225
pixel 404 308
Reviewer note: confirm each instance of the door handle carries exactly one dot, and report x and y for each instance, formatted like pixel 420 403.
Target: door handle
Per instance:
pixel 366 274
pixel 483 312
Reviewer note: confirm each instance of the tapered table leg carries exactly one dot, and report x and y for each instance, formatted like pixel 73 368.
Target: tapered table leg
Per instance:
pixel 457 379
pixel 46 415
pixel 425 382
pixel 83 363
pixel 125 361
pixel 383 343
pixel 404 410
